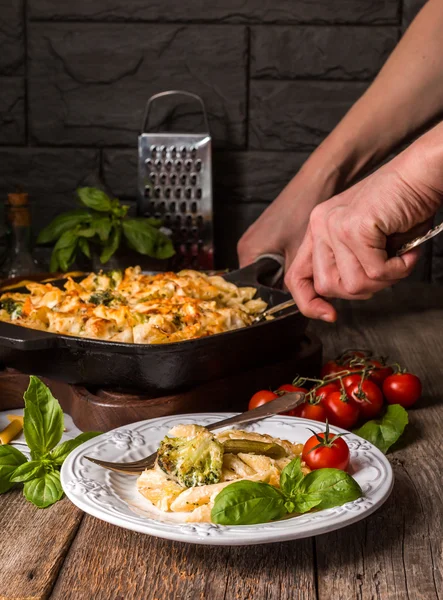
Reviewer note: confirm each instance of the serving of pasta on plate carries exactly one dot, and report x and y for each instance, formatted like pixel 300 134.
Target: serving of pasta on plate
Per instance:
pixel 134 307
pixel 194 465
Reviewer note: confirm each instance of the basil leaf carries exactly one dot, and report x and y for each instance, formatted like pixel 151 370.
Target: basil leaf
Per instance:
pixel 45 490
pixel 10 459
pixel 248 503
pixel 59 454
pixel 118 209
pixel 112 246
pixel 303 503
pixel 385 431
pixel 27 471
pixel 154 222
pixel 83 244
pixel 140 235
pixel 65 249
pixel 164 248
pixel 146 239
pixel 102 227
pixel 54 265
pixel 43 418
pixel 86 232
pixel 65 222
pixel 291 477
pixel 330 487
pixel 95 199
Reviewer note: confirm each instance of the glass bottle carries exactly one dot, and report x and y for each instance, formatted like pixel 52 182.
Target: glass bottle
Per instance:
pixel 19 260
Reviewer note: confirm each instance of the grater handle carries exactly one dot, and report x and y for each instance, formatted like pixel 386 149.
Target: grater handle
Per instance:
pixel 172 93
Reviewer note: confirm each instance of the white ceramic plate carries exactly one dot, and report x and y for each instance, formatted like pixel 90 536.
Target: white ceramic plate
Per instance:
pixel 113 497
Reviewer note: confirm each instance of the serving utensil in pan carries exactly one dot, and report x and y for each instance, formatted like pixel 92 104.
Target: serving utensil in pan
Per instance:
pixel 284 403
pixel 160 367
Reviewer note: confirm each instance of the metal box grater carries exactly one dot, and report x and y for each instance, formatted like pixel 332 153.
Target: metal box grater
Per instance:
pixel 175 185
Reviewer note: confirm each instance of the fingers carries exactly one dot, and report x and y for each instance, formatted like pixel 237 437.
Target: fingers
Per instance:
pixel 329 279
pixel 299 280
pixel 353 278
pixel 377 266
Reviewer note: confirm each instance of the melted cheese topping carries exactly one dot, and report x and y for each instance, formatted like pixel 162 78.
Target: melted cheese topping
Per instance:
pixel 195 504
pixel 133 307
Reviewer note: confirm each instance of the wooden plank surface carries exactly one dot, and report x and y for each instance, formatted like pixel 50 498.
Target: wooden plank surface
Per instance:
pixel 123 565
pixel 395 554
pixel 33 545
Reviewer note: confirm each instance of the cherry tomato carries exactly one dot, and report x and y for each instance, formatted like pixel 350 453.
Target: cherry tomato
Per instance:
pixel 331 368
pixel 380 375
pixel 368 397
pixel 288 388
pixel 340 410
pixel 316 412
pixel 324 390
pixel 351 380
pixel 261 397
pixel 402 388
pixel 331 452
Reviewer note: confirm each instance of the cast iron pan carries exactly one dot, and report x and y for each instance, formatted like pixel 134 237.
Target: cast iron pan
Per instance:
pixel 159 367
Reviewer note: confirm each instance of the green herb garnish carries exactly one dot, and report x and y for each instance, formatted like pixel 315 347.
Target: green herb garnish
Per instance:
pixel 103 222
pixel 12 307
pixel 250 502
pixel 385 431
pixel 43 429
pixel 105 298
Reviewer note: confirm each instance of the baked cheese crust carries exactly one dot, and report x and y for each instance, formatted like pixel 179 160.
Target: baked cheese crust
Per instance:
pixel 135 308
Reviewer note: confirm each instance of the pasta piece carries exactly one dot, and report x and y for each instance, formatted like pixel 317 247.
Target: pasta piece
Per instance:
pixel 14 418
pixel 10 432
pixel 154 485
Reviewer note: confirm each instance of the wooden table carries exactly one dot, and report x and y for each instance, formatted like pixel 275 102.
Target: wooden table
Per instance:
pixel 397 553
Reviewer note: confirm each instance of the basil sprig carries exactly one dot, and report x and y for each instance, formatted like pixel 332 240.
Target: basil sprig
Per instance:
pixel 251 502
pixel 102 222
pixel 385 431
pixel 43 429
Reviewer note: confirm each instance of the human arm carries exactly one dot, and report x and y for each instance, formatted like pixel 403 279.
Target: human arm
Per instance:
pixel 406 97
pixel 344 252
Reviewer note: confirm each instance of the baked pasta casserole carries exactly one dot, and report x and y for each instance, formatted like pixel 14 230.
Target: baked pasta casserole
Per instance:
pixel 134 307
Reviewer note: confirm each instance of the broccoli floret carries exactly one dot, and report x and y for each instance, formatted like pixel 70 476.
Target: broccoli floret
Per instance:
pixel 191 461
pixel 106 298
pixel 115 277
pixel 11 307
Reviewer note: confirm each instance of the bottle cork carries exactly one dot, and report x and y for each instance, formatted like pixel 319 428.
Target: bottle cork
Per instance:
pixel 18 209
pixel 18 199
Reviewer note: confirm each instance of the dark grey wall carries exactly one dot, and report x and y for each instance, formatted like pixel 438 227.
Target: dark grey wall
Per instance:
pixel 276 76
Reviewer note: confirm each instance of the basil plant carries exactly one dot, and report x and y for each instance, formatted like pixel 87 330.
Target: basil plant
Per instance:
pixel 101 222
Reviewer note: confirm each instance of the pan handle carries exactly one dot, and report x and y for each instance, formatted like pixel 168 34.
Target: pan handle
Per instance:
pixel 267 270
pixel 23 338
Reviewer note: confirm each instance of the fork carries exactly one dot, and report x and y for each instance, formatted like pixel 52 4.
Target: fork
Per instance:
pixel 282 404
pixel 274 309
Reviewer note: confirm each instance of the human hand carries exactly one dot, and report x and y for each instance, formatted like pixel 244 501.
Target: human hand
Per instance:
pixel 343 254
pixel 282 226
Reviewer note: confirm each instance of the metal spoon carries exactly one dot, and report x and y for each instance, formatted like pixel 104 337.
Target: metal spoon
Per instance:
pixel 421 239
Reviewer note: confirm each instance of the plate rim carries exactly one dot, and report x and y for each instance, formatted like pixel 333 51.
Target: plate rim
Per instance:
pixel 263 537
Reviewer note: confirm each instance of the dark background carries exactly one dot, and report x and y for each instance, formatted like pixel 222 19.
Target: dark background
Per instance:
pixel 276 76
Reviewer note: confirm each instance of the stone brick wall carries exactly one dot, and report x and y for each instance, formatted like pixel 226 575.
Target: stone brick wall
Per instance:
pixel 276 76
